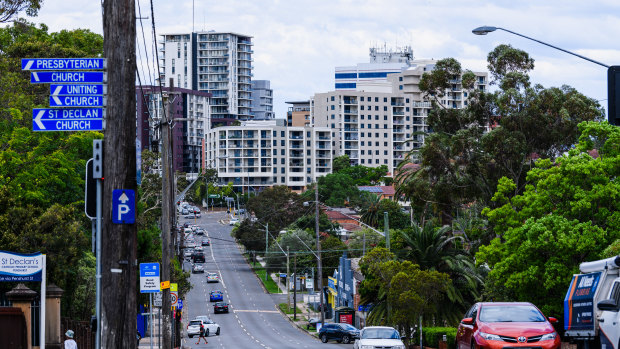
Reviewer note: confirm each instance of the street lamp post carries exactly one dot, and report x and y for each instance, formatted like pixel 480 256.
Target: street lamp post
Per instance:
pixel 613 72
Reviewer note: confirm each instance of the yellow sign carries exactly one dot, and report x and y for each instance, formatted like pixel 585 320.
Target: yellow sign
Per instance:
pixel 174 287
pixel 164 285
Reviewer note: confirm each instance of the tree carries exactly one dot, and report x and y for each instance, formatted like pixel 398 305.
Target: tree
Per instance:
pixel 278 206
pixel 331 250
pixel 460 163
pixel 335 189
pixel 363 175
pixel 568 214
pixel 366 237
pixel 10 8
pixel 297 241
pixel 340 162
pixel 307 222
pixel 370 209
pixel 396 217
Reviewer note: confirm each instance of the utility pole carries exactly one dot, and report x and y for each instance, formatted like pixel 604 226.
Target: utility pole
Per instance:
pixel 288 277
pixel 266 247
pixel 386 229
pixel 295 289
pixel 318 250
pixel 118 249
pixel 166 165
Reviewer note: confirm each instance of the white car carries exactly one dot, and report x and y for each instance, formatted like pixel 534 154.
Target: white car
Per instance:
pixel 198 269
pixel 212 277
pixel 379 337
pixel 210 326
pixel 234 221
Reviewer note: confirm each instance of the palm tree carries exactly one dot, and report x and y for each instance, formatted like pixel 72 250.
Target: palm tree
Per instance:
pixel 370 209
pixel 433 248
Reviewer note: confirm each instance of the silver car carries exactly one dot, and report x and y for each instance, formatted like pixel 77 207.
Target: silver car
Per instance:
pixel 210 326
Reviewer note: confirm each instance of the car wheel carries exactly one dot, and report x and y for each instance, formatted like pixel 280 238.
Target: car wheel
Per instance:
pixel 217 333
pixel 324 338
pixel 346 339
pixel 207 333
pixel 190 336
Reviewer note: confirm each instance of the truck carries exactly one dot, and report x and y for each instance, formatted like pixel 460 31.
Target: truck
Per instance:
pixel 592 304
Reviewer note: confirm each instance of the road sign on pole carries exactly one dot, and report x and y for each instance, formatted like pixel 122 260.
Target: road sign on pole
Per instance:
pixel 149 277
pixel 123 206
pixel 78 90
pixel 67 77
pixel 63 63
pixel 77 101
pixel 180 304
pixel 69 119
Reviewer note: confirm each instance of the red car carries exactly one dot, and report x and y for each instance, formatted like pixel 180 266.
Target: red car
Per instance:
pixel 506 325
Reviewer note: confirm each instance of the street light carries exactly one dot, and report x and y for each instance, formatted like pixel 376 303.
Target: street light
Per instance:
pixel 613 73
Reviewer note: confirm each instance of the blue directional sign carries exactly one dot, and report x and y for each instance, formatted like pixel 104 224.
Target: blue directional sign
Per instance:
pixel 180 304
pixel 67 77
pixel 63 63
pixel 77 101
pixel 78 90
pixel 123 206
pixel 69 119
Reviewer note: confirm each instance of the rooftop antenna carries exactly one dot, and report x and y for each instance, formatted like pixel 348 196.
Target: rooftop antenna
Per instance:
pixel 193 13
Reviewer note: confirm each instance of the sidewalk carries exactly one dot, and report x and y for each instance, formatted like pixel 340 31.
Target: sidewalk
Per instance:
pixel 155 337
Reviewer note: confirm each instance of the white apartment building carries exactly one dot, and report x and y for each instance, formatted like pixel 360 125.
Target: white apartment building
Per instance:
pixel 379 128
pixel 262 100
pixel 219 63
pixel 264 154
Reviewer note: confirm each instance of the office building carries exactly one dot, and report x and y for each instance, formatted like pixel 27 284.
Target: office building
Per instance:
pixel 187 135
pixel 262 100
pixel 263 154
pixel 219 63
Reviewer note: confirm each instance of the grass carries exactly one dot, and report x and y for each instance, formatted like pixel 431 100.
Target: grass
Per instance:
pixel 270 285
pixel 284 307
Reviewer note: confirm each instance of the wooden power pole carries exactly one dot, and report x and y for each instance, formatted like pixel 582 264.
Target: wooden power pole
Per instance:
pixel 118 248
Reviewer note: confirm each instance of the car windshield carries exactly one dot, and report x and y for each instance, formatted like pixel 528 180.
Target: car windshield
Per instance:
pixel 510 313
pixel 380 333
pixel 348 327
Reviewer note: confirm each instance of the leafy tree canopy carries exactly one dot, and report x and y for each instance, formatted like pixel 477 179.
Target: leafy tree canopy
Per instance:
pixel 278 206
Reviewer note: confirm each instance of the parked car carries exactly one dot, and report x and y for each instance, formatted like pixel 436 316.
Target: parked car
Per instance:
pixel 188 253
pixel 198 269
pixel 216 296
pixel 220 307
pixel 498 325
pixel 212 277
pixel 206 242
pixel 210 326
pixel 379 336
pixel 343 333
pixel 233 221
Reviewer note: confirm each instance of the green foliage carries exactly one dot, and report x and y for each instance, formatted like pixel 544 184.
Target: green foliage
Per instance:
pixel 335 189
pixel 341 162
pixel 298 242
pixel 288 310
pixel 307 222
pixel 611 250
pixel 363 175
pixel 251 235
pixel 278 206
pixel 332 249
pixel 356 242
pixel 432 335
pixel 10 8
pixel 568 214
pixel 396 217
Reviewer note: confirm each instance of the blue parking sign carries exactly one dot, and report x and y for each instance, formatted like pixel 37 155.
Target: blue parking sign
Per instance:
pixel 180 304
pixel 123 206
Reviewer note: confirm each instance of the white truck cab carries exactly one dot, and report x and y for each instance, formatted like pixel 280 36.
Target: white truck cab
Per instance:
pixel 592 305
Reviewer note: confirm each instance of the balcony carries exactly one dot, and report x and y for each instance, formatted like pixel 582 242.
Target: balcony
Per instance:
pixel 351 137
pixel 395 112
pixel 296 163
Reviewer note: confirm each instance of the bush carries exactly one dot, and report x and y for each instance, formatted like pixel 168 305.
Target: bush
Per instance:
pixel 432 335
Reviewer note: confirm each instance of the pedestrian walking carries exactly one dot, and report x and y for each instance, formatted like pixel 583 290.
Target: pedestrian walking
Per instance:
pixel 202 334
pixel 69 342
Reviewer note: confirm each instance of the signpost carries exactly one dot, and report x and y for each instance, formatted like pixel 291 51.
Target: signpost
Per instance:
pixel 149 283
pixel 123 206
pixel 80 94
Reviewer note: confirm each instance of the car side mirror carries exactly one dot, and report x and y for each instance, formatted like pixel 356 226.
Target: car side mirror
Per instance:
pixel 468 321
pixel 608 305
pixel 553 320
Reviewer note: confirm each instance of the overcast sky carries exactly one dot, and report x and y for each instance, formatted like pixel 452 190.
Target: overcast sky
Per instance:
pixel 297 44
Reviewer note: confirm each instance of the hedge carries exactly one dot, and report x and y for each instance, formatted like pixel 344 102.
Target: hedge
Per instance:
pixel 432 335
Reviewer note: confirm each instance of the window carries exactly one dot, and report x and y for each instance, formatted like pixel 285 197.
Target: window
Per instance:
pixel 362 108
pixel 173 65
pixel 376 107
pixel 282 170
pixel 385 162
pixel 275 152
pixel 333 107
pixel 384 99
pixel 407 118
pixel 332 98
pixel 400 87
pixel 385 126
pixel 362 151
pixel 275 133
pixel 362 116
pixel 377 99
pixel 275 170
pixel 377 136
pixel 282 161
pixel 282 134
pixel 384 108
pixel 376 125
pixel 308 152
pixel 333 116
pixel 376 117
pixel 385 144
pixel 400 78
pixel 384 117
pixel 362 161
pixel 282 152
pixel 376 161
pixel 362 132
pixel 385 152
pixel 362 98
pixel 309 161
pixel 333 125
pixel 377 144
pixel 283 179
pixel 308 134
pixel 362 143
pixel 282 143
pixel 369 125
pixel 407 109
pixel 407 100
pixel 385 135
pixel 275 143
pixel 362 125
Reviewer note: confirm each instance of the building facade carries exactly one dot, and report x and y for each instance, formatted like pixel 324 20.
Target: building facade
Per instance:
pixel 263 154
pixel 262 100
pixel 298 114
pixel 219 63
pixel 187 134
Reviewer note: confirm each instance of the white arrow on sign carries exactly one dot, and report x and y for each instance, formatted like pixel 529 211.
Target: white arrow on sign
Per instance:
pixel 37 119
pixel 57 91
pixel 29 64
pixel 36 77
pixel 57 100
pixel 123 198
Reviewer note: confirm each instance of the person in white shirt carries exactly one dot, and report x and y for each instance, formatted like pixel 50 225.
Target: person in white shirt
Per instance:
pixel 69 342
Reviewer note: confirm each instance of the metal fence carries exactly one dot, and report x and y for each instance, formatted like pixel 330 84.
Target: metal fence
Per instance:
pixel 35 316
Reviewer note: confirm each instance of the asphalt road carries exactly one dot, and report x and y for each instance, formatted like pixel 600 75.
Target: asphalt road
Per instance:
pixel 253 321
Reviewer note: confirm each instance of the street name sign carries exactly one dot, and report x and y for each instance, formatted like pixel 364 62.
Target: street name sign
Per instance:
pixel 78 90
pixel 77 101
pixel 67 77
pixel 20 267
pixel 63 63
pixel 149 277
pixel 123 206
pixel 69 119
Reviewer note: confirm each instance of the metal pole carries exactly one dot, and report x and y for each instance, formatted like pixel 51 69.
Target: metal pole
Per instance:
pixel 421 347
pixel 364 244
pixel 288 278
pixel 98 257
pixel 266 246
pixel 159 324
pixel 295 289
pixel 151 311
pixel 386 221
pixel 318 249
pixel 42 309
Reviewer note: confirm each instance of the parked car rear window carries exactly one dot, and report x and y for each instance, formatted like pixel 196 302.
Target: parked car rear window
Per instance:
pixel 380 333
pixel 195 322
pixel 510 313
